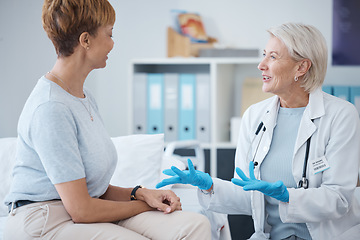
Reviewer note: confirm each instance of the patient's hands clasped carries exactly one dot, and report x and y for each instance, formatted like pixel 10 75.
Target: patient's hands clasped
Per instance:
pixel 191 176
pixel 162 200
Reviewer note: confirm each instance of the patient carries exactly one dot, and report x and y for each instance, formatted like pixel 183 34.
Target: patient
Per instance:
pixel 65 158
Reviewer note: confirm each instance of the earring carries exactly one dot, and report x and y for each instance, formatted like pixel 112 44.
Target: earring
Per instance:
pixel 87 48
pixel 296 78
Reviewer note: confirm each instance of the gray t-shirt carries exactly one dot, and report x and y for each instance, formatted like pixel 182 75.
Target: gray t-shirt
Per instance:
pixel 57 143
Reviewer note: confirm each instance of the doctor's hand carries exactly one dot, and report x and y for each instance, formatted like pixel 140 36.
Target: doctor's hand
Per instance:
pixel 276 190
pixel 194 177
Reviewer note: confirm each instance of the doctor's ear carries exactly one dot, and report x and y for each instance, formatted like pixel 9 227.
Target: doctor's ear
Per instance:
pixel 304 66
pixel 84 40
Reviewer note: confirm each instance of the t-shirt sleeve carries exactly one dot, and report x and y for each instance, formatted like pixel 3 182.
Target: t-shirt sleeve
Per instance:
pixel 53 133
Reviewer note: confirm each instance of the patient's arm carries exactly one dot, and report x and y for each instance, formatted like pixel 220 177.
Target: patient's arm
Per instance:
pixel 117 193
pixel 163 200
pixel 85 209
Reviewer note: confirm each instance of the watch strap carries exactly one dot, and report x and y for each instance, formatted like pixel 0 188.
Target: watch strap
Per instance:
pixel 132 195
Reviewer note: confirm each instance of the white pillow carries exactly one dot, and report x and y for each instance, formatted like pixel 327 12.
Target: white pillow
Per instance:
pixel 7 161
pixel 139 160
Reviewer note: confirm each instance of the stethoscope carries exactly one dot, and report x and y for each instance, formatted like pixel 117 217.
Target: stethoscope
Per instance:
pixel 304 182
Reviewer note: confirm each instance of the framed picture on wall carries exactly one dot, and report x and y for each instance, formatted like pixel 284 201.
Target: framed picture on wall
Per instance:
pixel 346 33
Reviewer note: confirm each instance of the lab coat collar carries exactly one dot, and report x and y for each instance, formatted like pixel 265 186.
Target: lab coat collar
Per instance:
pixel 270 115
pixel 316 106
pixel 315 109
pixel 269 120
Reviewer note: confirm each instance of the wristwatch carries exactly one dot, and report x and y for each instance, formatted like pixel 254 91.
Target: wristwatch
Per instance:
pixel 132 196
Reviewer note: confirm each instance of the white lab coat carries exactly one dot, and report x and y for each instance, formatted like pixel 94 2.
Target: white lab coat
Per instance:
pixel 328 206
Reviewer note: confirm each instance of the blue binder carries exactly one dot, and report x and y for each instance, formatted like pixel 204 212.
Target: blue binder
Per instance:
pixel 342 92
pixel 187 107
pixel 328 89
pixel 355 96
pixel 155 103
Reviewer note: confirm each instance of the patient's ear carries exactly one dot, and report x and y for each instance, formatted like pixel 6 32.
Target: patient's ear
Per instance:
pixel 84 40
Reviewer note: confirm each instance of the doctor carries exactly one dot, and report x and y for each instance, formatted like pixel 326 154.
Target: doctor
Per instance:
pixel 297 159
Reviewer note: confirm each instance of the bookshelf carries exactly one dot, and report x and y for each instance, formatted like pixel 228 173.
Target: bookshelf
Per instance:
pixel 226 76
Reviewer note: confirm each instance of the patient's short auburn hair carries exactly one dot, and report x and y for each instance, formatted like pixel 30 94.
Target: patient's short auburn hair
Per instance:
pixel 65 20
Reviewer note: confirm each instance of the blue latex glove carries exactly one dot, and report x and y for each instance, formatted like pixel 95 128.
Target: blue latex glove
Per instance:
pixel 194 177
pixel 276 190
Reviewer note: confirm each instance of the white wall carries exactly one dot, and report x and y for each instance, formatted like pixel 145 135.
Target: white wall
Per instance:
pixel 140 32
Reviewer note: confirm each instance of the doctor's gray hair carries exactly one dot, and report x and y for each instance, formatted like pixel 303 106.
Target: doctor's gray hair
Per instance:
pixel 305 42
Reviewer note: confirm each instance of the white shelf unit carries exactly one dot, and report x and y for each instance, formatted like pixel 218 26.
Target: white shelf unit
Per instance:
pixel 226 77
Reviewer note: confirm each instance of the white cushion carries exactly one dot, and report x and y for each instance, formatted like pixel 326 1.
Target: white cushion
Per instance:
pixel 7 161
pixel 139 160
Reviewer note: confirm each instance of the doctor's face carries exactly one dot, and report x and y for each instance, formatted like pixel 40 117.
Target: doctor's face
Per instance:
pixel 278 68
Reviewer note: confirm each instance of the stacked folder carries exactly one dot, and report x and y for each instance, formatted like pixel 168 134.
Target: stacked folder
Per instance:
pixel 348 93
pixel 177 105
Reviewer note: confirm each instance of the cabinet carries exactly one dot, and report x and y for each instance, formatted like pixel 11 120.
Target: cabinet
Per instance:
pixel 225 75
